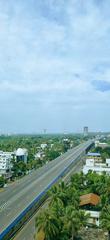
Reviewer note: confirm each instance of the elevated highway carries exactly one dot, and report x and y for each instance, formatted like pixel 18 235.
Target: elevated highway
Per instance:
pixel 18 196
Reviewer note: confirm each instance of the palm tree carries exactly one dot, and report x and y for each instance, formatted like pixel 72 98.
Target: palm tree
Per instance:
pixel 71 221
pixel 48 223
pixel 58 194
pixel 54 195
pixel 105 219
pixel 58 208
pixel 78 180
pixel 74 220
pixel 73 197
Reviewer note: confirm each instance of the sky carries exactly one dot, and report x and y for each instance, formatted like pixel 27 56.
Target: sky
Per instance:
pixel 54 65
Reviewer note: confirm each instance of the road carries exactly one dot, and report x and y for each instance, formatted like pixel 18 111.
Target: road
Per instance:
pixel 19 195
pixel 28 231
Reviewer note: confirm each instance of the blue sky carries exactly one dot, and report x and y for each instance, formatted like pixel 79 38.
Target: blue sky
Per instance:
pixel 54 65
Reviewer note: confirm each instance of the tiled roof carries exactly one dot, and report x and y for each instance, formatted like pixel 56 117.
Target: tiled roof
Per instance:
pixel 90 198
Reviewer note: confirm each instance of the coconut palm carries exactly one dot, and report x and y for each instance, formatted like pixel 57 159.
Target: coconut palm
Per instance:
pixel 48 223
pixel 74 220
pixel 78 180
pixel 71 221
pixel 105 219
pixel 55 196
pixel 73 197
pixel 58 208
pixel 58 194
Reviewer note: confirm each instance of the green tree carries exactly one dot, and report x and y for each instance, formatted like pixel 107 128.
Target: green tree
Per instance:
pixel 48 223
pixel 78 180
pixel 52 154
pixel 73 221
pixel 58 194
pixel 73 197
pixel 105 219
pixel 19 168
pixel 2 181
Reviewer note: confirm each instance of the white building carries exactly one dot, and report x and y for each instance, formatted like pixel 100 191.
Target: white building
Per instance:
pixel 101 144
pixel 43 145
pixel 39 155
pixel 93 217
pixel 66 140
pixel 21 154
pixel 94 166
pixel 108 162
pixel 5 163
pixel 87 204
pixel 51 145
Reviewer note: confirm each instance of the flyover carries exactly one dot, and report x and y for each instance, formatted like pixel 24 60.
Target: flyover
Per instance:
pixel 19 195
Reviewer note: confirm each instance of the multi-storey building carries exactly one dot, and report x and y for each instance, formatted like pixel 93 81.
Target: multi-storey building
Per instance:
pixel 85 131
pixel 5 163
pixel 21 154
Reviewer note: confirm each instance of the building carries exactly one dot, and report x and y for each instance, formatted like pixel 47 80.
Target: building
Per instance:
pixel 94 155
pixel 108 162
pixel 88 203
pixel 5 164
pixel 89 199
pixel 66 140
pixel 95 166
pixel 101 144
pixel 39 155
pixel 21 154
pixel 85 131
pixel 43 145
pixel 51 145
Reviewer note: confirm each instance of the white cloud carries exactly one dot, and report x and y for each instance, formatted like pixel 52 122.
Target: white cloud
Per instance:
pixel 51 52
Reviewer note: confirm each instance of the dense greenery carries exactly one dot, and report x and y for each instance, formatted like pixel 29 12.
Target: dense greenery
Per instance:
pixel 19 168
pixel 105 152
pixel 2 181
pixel 64 218
pixel 55 147
pixel 105 219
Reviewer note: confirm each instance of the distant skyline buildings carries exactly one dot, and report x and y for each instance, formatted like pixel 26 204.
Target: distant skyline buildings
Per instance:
pixel 81 131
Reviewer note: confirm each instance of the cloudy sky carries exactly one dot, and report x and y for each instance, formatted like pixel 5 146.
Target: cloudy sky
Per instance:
pixel 54 65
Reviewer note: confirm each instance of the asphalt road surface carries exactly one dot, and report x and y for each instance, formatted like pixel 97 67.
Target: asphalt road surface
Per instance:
pixel 19 195
pixel 28 231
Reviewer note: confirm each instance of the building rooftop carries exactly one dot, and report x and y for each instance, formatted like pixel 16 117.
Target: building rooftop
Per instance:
pixel 21 151
pixel 93 154
pixel 90 198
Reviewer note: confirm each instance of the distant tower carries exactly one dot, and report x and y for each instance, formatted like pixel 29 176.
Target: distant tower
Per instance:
pixel 45 130
pixel 85 131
